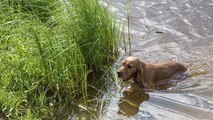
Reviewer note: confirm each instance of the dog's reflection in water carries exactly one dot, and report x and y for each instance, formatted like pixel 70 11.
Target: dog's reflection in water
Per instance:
pixel 130 102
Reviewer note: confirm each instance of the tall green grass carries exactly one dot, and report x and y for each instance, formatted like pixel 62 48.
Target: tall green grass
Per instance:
pixel 47 50
pixel 97 34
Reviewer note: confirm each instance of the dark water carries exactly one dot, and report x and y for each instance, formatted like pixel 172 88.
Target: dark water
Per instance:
pixel 163 30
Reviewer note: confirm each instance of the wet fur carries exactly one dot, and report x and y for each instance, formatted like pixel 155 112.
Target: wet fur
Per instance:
pixel 146 75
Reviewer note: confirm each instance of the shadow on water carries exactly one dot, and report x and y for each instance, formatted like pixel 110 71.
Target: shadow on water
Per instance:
pixel 74 107
pixel 130 102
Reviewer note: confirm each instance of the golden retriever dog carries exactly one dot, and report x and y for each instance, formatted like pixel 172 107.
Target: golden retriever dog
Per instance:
pixel 146 75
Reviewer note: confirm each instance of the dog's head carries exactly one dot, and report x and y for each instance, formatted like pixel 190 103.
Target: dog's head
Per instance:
pixel 131 67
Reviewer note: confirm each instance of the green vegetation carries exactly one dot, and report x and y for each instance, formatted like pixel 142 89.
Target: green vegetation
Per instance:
pixel 48 49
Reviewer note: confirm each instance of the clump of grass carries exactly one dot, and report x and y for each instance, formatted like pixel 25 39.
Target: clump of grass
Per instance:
pixel 95 33
pixel 47 49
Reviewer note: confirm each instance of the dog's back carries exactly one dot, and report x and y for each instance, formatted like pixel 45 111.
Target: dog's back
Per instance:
pixel 165 70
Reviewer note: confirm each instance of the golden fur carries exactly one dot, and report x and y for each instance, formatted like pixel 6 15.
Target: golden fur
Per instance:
pixel 146 75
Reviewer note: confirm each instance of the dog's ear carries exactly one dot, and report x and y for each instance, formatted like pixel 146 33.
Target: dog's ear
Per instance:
pixel 140 73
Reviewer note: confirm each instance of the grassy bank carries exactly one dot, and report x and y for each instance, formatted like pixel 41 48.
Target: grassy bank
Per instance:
pixel 47 50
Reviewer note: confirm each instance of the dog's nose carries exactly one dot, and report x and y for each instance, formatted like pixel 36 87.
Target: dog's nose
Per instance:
pixel 119 73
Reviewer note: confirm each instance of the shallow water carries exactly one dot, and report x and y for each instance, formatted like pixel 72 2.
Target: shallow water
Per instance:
pixel 160 31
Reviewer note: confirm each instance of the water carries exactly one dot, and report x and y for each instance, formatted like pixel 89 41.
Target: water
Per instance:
pixel 163 30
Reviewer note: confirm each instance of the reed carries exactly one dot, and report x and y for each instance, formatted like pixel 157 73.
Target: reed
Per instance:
pixel 128 27
pixel 47 50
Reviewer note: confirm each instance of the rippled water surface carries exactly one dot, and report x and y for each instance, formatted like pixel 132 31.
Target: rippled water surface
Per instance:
pixel 162 30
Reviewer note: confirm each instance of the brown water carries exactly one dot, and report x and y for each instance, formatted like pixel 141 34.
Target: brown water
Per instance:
pixel 162 30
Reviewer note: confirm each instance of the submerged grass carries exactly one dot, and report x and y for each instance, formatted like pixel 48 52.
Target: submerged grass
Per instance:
pixel 47 50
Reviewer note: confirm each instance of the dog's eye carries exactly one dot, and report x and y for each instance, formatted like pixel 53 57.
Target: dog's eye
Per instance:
pixel 129 65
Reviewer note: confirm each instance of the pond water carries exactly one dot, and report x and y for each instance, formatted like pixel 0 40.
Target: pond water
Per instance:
pixel 163 30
